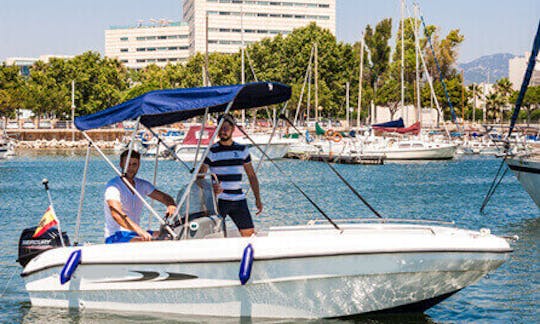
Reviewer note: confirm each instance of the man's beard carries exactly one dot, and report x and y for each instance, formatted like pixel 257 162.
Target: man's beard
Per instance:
pixel 224 138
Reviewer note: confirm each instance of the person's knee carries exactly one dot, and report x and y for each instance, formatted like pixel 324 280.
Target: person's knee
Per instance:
pixel 247 232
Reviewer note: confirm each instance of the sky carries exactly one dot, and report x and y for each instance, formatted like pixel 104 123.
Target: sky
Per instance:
pixel 30 28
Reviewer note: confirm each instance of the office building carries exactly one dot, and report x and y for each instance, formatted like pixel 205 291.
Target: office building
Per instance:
pixel 257 19
pixel 516 71
pixel 231 23
pixel 158 42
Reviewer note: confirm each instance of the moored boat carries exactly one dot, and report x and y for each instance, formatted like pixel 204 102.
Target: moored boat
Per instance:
pixel 527 171
pixel 201 268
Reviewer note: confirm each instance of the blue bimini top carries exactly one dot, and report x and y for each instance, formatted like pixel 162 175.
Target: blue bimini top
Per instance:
pixel 164 107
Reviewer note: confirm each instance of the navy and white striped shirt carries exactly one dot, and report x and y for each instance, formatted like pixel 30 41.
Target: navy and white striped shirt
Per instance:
pixel 227 162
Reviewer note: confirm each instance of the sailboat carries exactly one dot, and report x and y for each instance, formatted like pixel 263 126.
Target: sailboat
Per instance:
pixel 322 269
pixel 526 166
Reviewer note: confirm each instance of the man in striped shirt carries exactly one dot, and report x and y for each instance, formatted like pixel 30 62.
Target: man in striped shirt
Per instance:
pixel 228 160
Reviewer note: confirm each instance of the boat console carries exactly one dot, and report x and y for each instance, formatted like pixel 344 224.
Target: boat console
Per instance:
pixel 198 216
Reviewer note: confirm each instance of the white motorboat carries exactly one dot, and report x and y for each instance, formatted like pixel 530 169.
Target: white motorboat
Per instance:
pixel 411 150
pixel 187 151
pixel 6 147
pixel 312 271
pixel 304 271
pixel 527 170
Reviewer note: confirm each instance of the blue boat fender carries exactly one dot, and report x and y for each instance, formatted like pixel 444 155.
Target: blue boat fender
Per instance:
pixel 246 264
pixel 71 265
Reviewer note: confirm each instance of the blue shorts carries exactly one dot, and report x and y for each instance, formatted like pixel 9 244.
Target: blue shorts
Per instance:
pixel 122 237
pixel 238 210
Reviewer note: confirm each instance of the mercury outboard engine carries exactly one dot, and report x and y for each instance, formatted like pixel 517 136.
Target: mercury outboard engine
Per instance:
pixel 30 247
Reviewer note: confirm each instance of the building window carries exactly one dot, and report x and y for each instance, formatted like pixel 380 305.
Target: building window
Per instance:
pixel 123 39
pixel 162 37
pixel 141 60
pixel 123 50
pixel 124 61
pixel 141 38
pixel 141 49
pixel 162 60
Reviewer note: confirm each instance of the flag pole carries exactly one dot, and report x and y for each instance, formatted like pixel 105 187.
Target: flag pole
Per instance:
pixel 45 183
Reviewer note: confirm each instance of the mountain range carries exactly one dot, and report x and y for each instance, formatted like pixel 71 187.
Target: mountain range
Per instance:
pixel 479 70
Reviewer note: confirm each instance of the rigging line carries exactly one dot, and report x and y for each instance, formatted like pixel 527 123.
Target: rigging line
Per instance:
pixel 339 175
pixel 526 80
pixel 493 186
pixel 175 156
pixel 291 182
pixel 454 119
pixel 201 134
pixel 255 78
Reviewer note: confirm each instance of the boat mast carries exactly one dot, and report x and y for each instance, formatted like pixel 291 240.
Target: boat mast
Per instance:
pixel 316 84
pixel 360 80
pixel 416 48
pixel 403 61
pixel 205 75
pixel 347 104
pixel 242 74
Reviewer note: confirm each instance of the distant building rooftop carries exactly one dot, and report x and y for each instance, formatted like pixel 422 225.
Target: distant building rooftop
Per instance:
pixel 150 24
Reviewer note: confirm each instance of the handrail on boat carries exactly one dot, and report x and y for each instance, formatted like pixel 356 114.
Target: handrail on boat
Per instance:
pixel 384 220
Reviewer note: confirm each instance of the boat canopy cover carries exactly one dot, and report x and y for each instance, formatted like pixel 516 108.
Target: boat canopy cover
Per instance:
pixel 393 123
pixel 194 134
pixel 164 107
pixel 413 129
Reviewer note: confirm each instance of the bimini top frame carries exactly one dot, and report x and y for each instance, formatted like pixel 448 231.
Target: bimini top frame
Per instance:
pixel 164 107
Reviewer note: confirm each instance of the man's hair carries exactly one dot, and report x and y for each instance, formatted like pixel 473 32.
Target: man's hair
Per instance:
pixel 227 118
pixel 134 155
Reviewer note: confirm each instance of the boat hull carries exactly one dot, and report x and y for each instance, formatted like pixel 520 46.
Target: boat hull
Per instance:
pixel 438 153
pixel 527 172
pixel 294 275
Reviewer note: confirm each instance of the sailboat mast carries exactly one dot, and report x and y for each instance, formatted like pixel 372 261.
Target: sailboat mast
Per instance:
pixel 242 73
pixel 403 61
pixel 360 80
pixel 316 84
pixel 347 104
pixel 416 47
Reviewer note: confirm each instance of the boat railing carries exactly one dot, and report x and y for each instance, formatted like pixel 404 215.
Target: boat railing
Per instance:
pixel 383 221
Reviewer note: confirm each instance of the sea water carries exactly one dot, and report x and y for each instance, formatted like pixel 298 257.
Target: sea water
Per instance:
pixel 438 190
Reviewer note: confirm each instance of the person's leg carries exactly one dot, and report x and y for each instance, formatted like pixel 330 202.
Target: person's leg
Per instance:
pixel 241 217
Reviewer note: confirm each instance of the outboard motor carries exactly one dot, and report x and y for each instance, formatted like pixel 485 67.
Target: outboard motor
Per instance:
pixel 30 247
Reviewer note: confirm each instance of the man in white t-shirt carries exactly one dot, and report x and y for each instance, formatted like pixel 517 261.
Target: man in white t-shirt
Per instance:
pixel 123 208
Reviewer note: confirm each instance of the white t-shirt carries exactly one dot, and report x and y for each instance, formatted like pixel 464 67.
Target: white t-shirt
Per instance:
pixel 131 205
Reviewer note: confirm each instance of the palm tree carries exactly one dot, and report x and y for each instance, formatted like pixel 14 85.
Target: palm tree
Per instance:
pixel 476 91
pixel 503 88
pixel 493 103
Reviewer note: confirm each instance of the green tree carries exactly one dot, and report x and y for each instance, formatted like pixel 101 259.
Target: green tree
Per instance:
pixel 10 83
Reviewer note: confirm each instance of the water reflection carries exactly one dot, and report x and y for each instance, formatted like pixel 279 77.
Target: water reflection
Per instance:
pixel 61 316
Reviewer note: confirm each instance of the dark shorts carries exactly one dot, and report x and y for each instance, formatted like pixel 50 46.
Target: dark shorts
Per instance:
pixel 239 212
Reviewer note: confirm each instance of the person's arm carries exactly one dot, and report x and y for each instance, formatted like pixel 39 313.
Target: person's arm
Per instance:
pixel 215 184
pixel 165 199
pixel 254 183
pixel 123 220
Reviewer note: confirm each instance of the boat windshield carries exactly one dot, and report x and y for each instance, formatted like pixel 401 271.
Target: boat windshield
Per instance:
pixel 200 202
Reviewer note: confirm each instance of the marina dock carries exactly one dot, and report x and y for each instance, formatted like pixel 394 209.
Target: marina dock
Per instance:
pixel 340 159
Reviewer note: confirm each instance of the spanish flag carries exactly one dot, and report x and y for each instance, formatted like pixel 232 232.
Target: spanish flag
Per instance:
pixel 47 221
